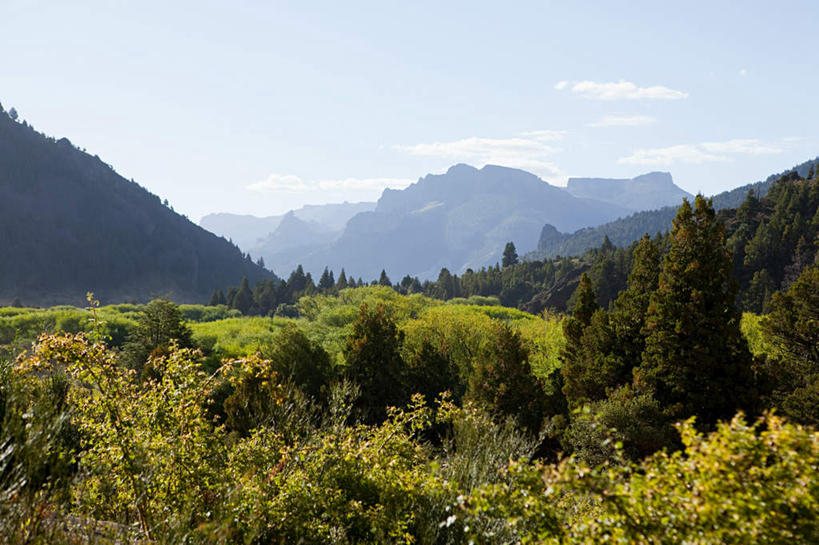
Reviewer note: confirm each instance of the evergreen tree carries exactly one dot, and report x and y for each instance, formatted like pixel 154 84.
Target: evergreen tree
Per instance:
pixel 264 297
pixel 384 280
pixel 342 280
pixel 586 301
pixel 372 354
pixel 793 328
pixel 696 361
pixel 326 282
pixel 296 358
pixel 297 280
pixel 243 300
pixel 309 285
pixel 159 323
pixel 602 358
pixel 793 323
pixel 631 306
pixel 573 329
pixel 503 382
pixel 510 255
pixel 214 298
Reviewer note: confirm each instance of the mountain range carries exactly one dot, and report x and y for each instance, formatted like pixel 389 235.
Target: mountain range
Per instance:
pixel 250 232
pixel 624 231
pixel 69 224
pixel 459 220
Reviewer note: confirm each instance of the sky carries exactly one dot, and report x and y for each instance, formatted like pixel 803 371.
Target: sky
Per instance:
pixel 259 107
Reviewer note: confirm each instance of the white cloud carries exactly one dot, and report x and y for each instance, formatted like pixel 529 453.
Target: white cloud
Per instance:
pixel 620 90
pixel 290 183
pixel 699 153
pixel 751 146
pixel 527 152
pixel 280 183
pixel 364 183
pixel 475 148
pixel 623 121
pixel 545 135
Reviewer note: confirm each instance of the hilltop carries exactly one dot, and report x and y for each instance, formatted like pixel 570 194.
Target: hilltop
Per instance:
pixel 70 224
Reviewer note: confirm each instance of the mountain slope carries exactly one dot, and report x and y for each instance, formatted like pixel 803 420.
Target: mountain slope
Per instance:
pixel 624 231
pixel 250 232
pixel 646 192
pixel 461 219
pixel 69 224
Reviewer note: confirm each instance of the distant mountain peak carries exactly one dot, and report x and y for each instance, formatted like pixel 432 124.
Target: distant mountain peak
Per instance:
pixel 645 192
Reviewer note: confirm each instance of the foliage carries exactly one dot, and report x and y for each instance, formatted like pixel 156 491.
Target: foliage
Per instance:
pixel 502 381
pixel 146 447
pixel 792 329
pixel 696 361
pixel 739 484
pixel 159 323
pixel 373 361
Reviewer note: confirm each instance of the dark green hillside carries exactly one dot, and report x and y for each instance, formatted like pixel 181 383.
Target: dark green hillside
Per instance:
pixel 624 231
pixel 70 224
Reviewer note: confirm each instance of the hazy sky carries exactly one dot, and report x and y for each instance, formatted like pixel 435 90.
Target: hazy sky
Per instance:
pixel 258 107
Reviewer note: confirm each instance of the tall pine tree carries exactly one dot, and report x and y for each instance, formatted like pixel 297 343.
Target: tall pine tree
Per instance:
pixel 696 361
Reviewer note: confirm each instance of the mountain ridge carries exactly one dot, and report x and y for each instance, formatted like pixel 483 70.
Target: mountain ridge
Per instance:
pixel 70 224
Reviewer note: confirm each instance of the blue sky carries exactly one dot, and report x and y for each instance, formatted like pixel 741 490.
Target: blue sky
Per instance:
pixel 259 107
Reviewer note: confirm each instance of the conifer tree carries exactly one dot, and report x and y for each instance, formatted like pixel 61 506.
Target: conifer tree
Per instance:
pixel 696 361
pixel 326 282
pixel 214 298
pixel 384 280
pixel 243 299
pixel 373 356
pixel 342 280
pixel 510 255
pixel 573 329
pixel 631 305
pixel 793 328
pixel 503 381
pixel 297 280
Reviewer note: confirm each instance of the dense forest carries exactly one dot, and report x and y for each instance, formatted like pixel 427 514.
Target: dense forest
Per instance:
pixel 69 224
pixel 366 415
pixel 770 238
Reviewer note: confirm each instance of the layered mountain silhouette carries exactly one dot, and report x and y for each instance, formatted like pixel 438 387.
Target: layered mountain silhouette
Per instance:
pixel 250 232
pixel 70 224
pixel 461 219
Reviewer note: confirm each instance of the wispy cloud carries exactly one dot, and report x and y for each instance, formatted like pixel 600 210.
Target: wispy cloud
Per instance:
pixel 545 135
pixel 529 151
pixel 290 183
pixel 700 153
pixel 750 146
pixel 619 90
pixel 623 121
pixel 276 183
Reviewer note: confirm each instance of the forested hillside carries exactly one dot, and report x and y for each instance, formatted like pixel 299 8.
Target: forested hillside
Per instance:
pixel 624 231
pixel 70 224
